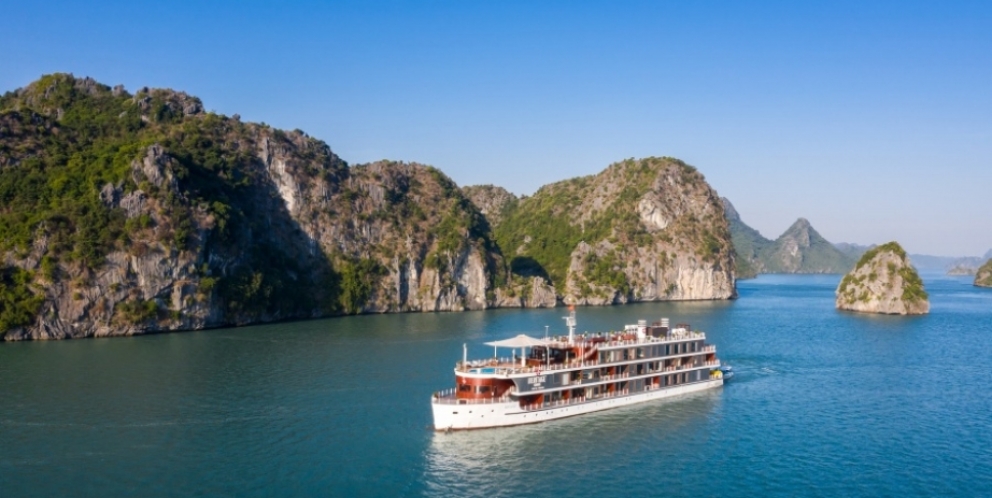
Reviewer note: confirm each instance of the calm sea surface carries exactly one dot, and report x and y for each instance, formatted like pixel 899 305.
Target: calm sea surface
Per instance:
pixel 824 404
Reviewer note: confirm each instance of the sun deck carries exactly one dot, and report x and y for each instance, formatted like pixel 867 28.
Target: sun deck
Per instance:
pixel 587 343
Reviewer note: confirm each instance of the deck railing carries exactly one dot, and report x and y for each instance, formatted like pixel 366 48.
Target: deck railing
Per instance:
pixel 562 341
pixel 605 395
pixel 447 397
pixel 505 366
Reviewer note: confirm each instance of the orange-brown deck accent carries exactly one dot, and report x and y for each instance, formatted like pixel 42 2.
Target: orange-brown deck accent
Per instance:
pixel 472 388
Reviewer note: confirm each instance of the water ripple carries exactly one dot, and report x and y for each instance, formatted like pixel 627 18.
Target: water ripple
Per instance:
pixel 822 404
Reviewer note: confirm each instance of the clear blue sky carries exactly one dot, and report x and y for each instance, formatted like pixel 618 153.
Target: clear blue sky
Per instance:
pixel 871 119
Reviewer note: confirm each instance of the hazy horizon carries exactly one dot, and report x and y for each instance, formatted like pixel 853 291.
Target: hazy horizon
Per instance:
pixel 874 122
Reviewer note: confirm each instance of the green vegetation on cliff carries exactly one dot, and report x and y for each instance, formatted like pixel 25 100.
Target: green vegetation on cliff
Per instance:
pixel 633 207
pixel 18 301
pixel 127 213
pixel 49 186
pixel 68 148
pixel 540 233
pixel 547 215
pixel 983 277
pixel 913 289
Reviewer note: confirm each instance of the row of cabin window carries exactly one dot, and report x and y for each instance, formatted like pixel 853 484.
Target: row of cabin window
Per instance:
pixel 685 347
pixel 465 388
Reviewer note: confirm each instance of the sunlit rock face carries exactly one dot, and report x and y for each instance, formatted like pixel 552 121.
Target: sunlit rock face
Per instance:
pixel 883 282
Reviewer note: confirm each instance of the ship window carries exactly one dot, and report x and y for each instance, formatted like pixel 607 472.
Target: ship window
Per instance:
pixel 465 388
pixel 483 389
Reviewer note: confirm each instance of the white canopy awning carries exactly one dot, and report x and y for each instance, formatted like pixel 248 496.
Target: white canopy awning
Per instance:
pixel 520 341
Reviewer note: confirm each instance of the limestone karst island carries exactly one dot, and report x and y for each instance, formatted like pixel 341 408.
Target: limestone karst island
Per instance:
pixel 983 277
pixel 883 281
pixel 129 213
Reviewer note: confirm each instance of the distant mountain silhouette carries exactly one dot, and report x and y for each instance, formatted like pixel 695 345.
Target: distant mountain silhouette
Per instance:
pixel 800 249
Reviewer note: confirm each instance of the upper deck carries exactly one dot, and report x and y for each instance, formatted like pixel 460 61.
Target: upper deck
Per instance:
pixel 584 349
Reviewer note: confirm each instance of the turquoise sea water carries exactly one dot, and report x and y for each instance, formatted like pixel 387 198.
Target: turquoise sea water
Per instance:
pixel 824 403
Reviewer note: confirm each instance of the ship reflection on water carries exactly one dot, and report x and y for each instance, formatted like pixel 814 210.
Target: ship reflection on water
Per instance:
pixel 535 459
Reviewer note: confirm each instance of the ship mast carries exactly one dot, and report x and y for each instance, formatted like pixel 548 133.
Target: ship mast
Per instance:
pixel 570 321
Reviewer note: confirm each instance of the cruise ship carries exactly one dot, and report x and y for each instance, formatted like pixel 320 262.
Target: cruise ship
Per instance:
pixel 559 377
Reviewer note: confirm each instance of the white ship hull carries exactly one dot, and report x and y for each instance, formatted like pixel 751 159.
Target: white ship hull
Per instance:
pixel 480 415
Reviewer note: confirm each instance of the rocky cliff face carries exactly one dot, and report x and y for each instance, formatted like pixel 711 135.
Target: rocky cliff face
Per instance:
pixel 427 246
pixel 492 201
pixel 196 249
pixel 523 289
pixel 527 292
pixel 642 230
pixel 983 277
pixel 883 282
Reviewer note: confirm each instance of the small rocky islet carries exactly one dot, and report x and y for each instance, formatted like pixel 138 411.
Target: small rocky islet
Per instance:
pixel 962 270
pixel 883 282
